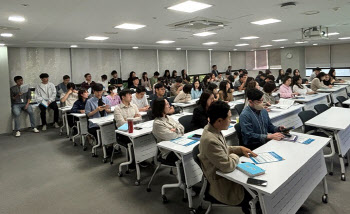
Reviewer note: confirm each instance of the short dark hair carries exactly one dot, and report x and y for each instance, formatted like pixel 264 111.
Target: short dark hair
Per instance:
pixel 213 66
pixel 70 85
pixel 66 77
pixel 114 72
pixel 269 87
pixel 218 110
pixel 135 78
pixel 17 78
pixel 158 106
pixel 124 92
pixel 254 94
pixel 44 75
pixel 140 89
pixel 80 93
pixel 231 78
pixel 87 74
pixel 263 75
pixel 212 86
pixel 110 88
pixel 104 76
pixel 270 77
pixel 286 78
pixel 203 99
pixel 158 86
pixel 317 69
pixel 187 88
pixel 178 80
pixel 156 73
pixel 97 87
pixel 241 76
pixel 235 73
pixel 261 72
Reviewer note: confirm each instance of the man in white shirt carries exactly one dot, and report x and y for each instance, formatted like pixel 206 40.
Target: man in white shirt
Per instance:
pixel 69 98
pixel 45 95
pixel 139 99
pixel 314 74
pixel 125 109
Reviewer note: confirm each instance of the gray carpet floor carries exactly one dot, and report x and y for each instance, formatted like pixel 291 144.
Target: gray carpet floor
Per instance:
pixel 44 173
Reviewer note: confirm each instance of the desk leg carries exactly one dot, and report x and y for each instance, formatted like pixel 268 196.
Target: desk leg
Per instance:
pixel 341 159
pixel 63 123
pixel 66 122
pixel 176 185
pixel 127 163
pixel 325 188
pixel 94 148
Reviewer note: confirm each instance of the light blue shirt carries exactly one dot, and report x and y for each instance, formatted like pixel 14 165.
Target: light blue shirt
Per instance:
pixel 91 105
pixel 195 94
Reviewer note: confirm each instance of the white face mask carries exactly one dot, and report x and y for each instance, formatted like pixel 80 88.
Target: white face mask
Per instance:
pixel 259 107
pixel 115 91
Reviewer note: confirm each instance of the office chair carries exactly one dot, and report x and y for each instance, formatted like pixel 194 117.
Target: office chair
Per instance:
pixel 171 99
pixel 348 95
pixel 239 133
pixel 93 153
pixel 150 115
pixel 239 108
pixel 186 122
pixel 308 115
pixel 341 99
pixel 321 108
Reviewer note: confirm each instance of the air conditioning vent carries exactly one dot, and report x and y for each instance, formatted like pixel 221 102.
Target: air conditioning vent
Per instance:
pixel 199 24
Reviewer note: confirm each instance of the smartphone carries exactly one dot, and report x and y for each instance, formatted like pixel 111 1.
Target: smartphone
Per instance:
pixel 286 130
pixel 257 182
pixel 233 122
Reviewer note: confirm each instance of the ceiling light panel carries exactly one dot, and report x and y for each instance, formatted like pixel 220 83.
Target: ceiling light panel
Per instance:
pixel 189 6
pixel 129 26
pixel 265 46
pixel 332 34
pixel 343 38
pixel 266 21
pixel 16 18
pixel 250 37
pixel 74 46
pixel 240 45
pixel 165 42
pixel 210 43
pixel 6 34
pixel 301 42
pixel 280 40
pixel 204 34
pixel 97 38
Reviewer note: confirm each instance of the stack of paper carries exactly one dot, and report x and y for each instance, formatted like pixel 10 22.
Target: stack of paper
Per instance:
pixel 284 103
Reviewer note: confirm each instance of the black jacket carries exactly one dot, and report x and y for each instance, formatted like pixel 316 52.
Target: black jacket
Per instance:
pixel 200 117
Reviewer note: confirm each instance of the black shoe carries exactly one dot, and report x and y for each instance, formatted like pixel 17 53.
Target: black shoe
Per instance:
pixel 143 164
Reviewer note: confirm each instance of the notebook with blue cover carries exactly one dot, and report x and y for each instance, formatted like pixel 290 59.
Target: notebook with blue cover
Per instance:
pixel 250 169
pixel 124 127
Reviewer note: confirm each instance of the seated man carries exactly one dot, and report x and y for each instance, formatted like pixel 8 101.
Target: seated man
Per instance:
pixel 255 122
pixel 96 107
pixel 62 87
pixel 135 83
pixel 160 93
pixel 45 95
pixel 117 82
pixel 68 98
pixel 125 109
pixel 176 87
pixel 88 83
pixel 215 154
pixel 238 85
pixel 20 100
pixel 139 99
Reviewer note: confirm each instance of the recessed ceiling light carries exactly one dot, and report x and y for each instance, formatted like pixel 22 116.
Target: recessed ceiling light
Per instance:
pixel 210 49
pixel 2 44
pixel 16 18
pixel 239 45
pixel 332 34
pixel 252 50
pixel 301 42
pixel 280 40
pixel 204 34
pixel 189 6
pixel 6 34
pixel 221 25
pixel 178 49
pixel 315 44
pixel 234 49
pixel 250 37
pixel 311 12
pixel 282 47
pixel 165 42
pixel 266 21
pixel 97 38
pixel 210 43
pixel 74 46
pixel 129 26
pixel 344 38
pixel 265 46
pixel 135 47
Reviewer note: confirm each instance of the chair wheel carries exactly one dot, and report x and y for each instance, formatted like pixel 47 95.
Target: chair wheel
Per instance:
pixel 127 172
pixel 137 183
pixel 184 200
pixel 343 178
pixel 84 148
pixel 171 172
pixel 104 160
pixel 74 144
pixel 325 198
pixel 148 189
pixel 331 173
pixel 94 155
pixel 193 211
pixel 120 174
pixel 347 164
pixel 165 199
pixel 111 162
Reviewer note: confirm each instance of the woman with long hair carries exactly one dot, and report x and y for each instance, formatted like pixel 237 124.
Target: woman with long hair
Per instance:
pixel 145 82
pixel 225 93
pixel 299 88
pixel 131 76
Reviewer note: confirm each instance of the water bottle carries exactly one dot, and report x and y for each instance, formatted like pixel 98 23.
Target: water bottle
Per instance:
pixel 130 125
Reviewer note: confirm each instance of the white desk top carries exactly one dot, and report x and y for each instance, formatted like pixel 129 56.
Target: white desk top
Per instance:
pixel 343 83
pixel 335 118
pixel 277 173
pixel 80 115
pixel 310 97
pixel 238 93
pixel 334 89
pixel 187 104
pixel 232 104
pixel 65 108
pixel 276 112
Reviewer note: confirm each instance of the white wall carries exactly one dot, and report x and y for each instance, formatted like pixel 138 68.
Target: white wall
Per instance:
pixel 5 104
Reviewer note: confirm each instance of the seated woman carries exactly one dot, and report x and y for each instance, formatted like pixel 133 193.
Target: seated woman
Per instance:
pixel 225 93
pixel 213 88
pixel 286 89
pixel 196 90
pixel 268 88
pixel 200 116
pixel 78 106
pixel 145 82
pixel 299 88
pixel 205 82
pixel 333 77
pixel 328 80
pixel 317 82
pixel 165 128
pixel 113 96
pixel 184 95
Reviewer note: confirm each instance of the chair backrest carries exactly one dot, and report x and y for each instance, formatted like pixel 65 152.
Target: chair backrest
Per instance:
pixel 305 116
pixel 321 108
pixel 149 92
pixel 341 99
pixel 150 115
pixel 171 99
pixel 239 108
pixel 348 94
pixel 186 122
pixel 239 133
pixel 195 153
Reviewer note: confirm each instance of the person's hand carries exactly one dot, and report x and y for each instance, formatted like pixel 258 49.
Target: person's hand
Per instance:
pixel 180 88
pixel 26 106
pixel 268 104
pixel 75 91
pixel 100 108
pixel 330 86
pixel 48 102
pixel 137 115
pixel 276 136
pixel 267 108
pixel 82 111
pixel 281 128
pixel 20 94
pixel 296 94
pixel 173 130
pixel 247 151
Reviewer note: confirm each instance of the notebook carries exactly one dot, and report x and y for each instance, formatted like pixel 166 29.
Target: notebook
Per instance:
pixel 250 169
pixel 284 103
pixel 124 127
pixel 266 157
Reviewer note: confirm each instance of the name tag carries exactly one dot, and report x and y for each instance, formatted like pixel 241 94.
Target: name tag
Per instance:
pixel 22 100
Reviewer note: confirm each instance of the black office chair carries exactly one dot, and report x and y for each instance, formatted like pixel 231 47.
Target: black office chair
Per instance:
pixel 171 99
pixel 151 96
pixel 239 108
pixel 186 122
pixel 168 94
pixel 239 133
pixel 348 95
pixel 321 108
pixel 149 92
pixel 341 99
pixel 150 115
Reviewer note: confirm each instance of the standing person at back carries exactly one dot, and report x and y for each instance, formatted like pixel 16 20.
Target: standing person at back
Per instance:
pixel 118 82
pixel 62 87
pixel 214 70
pixel 154 79
pixel 88 83
pixel 45 95
pixel 139 99
pixel 20 101
pixel 176 87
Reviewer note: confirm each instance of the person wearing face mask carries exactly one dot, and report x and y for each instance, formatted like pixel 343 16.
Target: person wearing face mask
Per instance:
pixel 113 96
pixel 255 122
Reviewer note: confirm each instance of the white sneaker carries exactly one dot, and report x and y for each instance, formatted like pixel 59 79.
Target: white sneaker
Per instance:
pixel 56 125
pixel 18 133
pixel 35 130
pixel 44 128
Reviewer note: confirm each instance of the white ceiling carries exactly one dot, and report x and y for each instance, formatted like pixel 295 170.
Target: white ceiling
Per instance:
pixel 61 23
